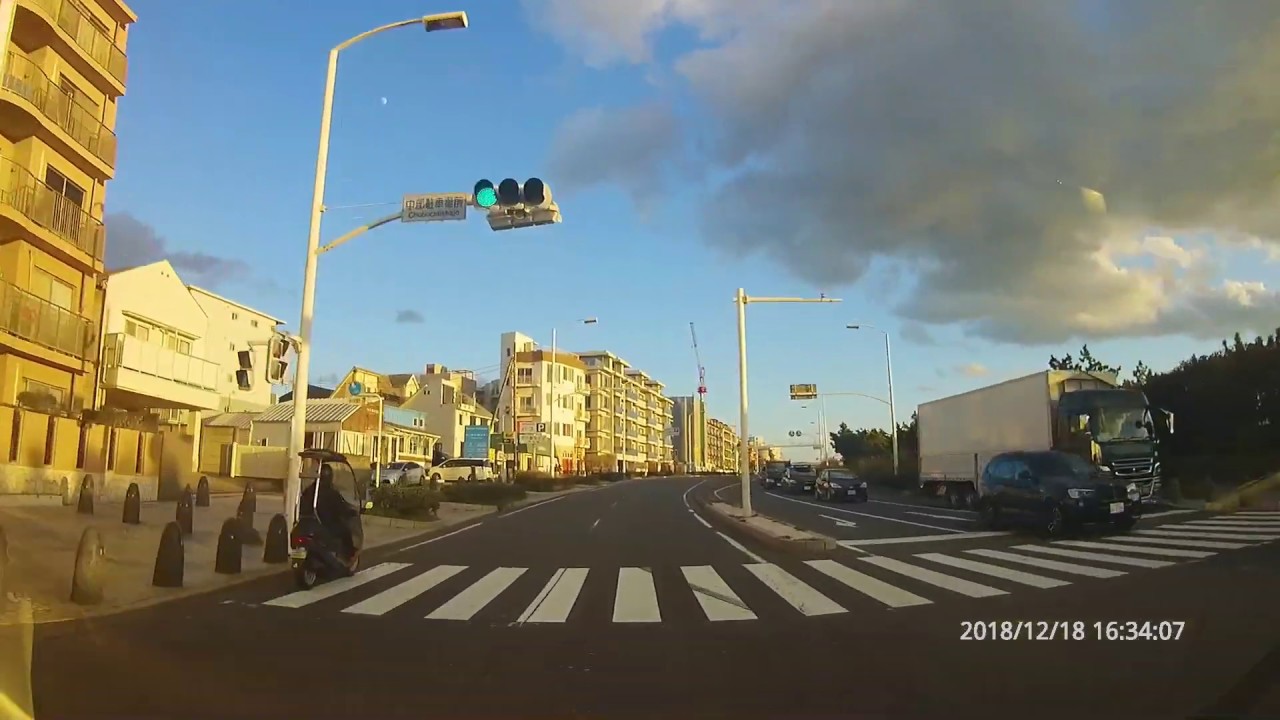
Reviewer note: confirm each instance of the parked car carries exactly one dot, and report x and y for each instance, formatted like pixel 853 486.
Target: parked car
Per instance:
pixel 800 478
pixel 840 484
pixel 1053 491
pixel 403 473
pixel 463 470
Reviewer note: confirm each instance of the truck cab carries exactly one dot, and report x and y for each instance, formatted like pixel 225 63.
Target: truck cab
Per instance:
pixel 1117 431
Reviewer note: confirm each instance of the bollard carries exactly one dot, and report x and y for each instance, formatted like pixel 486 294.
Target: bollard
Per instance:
pixel 170 558
pixel 250 498
pixel 227 559
pixel 84 505
pixel 4 565
pixel 133 505
pixel 68 498
pixel 249 535
pixel 93 486
pixel 185 514
pixel 277 545
pixel 202 491
pixel 91 562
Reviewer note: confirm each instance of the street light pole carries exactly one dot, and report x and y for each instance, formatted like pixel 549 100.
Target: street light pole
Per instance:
pixel 741 299
pixel 555 378
pixel 888 361
pixel 302 370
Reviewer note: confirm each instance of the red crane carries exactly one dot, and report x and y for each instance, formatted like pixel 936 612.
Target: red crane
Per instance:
pixel 702 372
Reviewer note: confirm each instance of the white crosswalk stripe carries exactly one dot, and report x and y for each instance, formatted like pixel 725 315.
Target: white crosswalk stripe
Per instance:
pixel 947 582
pixel 799 595
pixel 467 603
pixel 398 595
pixel 303 598
pixel 1137 550
pixel 718 602
pixel 1250 524
pixel 1174 542
pixel 880 590
pixel 1209 534
pixel 1046 564
pixel 637 598
pixel 1095 557
pixel 557 598
pixel 1024 578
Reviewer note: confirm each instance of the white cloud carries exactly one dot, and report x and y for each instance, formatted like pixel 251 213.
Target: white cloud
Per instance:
pixel 972 370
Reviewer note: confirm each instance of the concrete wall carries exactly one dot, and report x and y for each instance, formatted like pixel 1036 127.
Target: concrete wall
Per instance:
pixel 261 463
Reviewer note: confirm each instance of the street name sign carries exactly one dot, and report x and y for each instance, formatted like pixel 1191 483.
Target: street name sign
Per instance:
pixel 804 392
pixel 431 207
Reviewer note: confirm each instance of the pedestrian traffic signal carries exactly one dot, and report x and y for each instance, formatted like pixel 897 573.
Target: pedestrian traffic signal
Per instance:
pixel 485 196
pixel 277 367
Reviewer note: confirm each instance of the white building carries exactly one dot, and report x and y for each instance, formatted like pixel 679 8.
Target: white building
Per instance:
pixel 234 327
pixel 546 391
pixel 448 400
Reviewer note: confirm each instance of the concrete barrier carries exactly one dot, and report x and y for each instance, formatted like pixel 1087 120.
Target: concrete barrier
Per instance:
pixel 807 544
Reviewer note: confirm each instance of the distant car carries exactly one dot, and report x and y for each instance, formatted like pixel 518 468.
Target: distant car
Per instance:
pixel 800 478
pixel 403 473
pixel 840 484
pixel 463 470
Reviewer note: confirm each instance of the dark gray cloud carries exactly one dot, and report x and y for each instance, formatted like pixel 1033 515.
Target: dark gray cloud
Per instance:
pixel 954 138
pixel 408 316
pixel 914 332
pixel 132 242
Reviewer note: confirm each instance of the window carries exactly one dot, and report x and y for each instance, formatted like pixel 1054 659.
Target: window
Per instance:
pixel 47 287
pixel 254 323
pixel 39 388
pixel 137 330
pixel 231 347
pixel 235 316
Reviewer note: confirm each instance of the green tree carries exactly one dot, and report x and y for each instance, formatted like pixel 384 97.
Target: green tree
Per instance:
pixel 1086 362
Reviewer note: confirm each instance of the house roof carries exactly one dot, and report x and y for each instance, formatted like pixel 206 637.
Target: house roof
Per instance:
pixel 238 420
pixel 314 392
pixel 318 411
pixel 229 301
pixel 399 380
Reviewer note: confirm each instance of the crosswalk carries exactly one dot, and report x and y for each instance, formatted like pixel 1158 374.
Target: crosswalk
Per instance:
pixel 814 588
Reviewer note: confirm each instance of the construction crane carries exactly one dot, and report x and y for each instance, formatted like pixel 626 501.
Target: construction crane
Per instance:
pixel 702 371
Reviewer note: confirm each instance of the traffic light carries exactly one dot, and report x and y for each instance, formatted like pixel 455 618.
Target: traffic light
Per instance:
pixel 277 367
pixel 485 196
pixel 244 376
pixel 512 204
pixel 509 195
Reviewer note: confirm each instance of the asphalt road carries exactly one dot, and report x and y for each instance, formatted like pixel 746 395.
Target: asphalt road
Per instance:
pixel 627 605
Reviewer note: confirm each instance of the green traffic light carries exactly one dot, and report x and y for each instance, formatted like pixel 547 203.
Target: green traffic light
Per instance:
pixel 485 196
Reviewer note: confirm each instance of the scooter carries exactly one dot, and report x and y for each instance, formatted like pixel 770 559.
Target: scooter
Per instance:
pixel 316 554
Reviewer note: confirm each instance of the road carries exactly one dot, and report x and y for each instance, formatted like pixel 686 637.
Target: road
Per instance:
pixel 621 602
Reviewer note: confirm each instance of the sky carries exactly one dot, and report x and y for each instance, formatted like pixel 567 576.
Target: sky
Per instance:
pixel 988 183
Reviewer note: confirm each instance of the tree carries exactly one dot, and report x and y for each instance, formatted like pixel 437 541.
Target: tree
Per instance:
pixel 1086 363
pixel 1141 375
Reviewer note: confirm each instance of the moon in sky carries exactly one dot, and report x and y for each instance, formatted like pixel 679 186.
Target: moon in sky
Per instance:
pixel 384 101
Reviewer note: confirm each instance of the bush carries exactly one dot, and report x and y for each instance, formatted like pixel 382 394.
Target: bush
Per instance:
pixel 537 482
pixel 498 494
pixel 405 502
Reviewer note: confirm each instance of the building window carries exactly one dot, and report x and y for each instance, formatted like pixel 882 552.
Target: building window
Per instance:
pixel 231 347
pixel 64 187
pixel 254 323
pixel 138 330
pixel 38 388
pixel 47 287
pixel 235 316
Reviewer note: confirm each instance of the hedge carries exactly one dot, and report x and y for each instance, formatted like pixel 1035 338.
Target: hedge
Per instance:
pixel 401 501
pixel 498 494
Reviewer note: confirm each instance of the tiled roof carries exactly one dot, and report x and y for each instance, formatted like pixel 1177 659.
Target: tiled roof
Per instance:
pixel 318 411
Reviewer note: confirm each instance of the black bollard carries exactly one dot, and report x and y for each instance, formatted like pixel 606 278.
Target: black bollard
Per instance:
pixel 185 514
pixel 170 558
pixel 133 505
pixel 277 545
pixel 4 566
pixel 202 492
pixel 67 497
pixel 91 562
pixel 227 559
pixel 85 505
pixel 249 535
pixel 250 498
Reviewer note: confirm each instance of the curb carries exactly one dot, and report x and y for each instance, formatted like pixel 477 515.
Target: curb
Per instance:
pixel 814 546
pixel 1241 496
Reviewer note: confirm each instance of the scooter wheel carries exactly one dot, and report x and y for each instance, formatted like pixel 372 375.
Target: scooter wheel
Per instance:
pixel 305 577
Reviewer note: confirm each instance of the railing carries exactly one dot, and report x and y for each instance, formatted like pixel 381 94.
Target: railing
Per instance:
pixel 25 79
pixel 75 22
pixel 130 353
pixel 44 206
pixel 40 321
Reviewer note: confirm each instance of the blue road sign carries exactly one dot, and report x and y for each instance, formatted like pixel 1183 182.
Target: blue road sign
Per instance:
pixel 475 442
pixel 355 388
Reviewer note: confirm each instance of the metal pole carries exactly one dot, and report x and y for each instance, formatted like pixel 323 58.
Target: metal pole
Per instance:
pixel 554 377
pixel 893 416
pixel 382 441
pixel 744 458
pixel 298 427
pixel 823 429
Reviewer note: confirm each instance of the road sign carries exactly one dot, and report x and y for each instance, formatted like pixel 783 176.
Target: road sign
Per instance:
pixel 475 442
pixel 355 388
pixel 804 392
pixel 433 206
pixel 532 427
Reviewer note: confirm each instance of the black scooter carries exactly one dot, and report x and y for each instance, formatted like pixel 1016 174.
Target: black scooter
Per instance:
pixel 316 553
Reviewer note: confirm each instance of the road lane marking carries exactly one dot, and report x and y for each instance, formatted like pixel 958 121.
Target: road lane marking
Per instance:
pixel 1136 549
pixel 713 594
pixel 839 522
pixel 685 497
pixel 874 588
pixel 1166 513
pixel 636 600
pixel 1259 513
pixel 1250 524
pixel 438 537
pixel 740 546
pixel 798 595
pixel 1046 564
pixel 921 507
pixel 303 598
pixel 870 515
pixel 595 524
pixel 1223 528
pixel 941 517
pixel 467 603
pixel 535 505
pixel 937 579
pixel 717 492
pixel 1174 542
pixel 700 519
pixel 1023 578
pixel 923 538
pixel 1095 557
pixel 557 598
pixel 394 597
pixel 1188 533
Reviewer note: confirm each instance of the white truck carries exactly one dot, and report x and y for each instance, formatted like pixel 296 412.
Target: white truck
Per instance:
pixel 1083 413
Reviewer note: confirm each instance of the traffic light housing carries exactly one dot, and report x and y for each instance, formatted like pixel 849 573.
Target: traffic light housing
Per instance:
pixel 277 366
pixel 244 376
pixel 513 204
pixel 485 195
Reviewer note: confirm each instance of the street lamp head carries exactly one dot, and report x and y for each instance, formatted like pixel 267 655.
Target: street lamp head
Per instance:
pixel 445 21
pixel 852 327
pixel 590 321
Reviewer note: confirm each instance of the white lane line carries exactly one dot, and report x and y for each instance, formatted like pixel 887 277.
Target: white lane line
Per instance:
pixel 874 588
pixel 394 597
pixel 438 537
pixel 1046 564
pixel 1023 578
pixel 937 579
pixel 636 600
pixel 556 600
pixel 797 594
pixel 942 517
pixel 739 546
pixel 920 507
pixel 923 538
pixel 1222 528
pixel 535 505
pixel 870 515
pixel 467 603
pixel 1252 524
pixel 1173 542
pixel 595 524
pixel 685 497
pixel 1258 513
pixel 1095 557
pixel 1166 513
pixel 1188 533
pixel 1136 549
pixel 717 492
pixel 718 601
pixel 698 517
pixel 303 598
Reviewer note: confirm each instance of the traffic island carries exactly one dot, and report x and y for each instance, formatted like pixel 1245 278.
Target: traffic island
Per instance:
pixel 757 528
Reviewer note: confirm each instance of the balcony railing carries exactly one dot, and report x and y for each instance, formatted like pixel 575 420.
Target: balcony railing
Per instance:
pixel 75 22
pixel 40 321
pixel 44 206
pixel 25 79
pixel 130 353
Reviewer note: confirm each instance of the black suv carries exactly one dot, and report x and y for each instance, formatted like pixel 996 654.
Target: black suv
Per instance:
pixel 1053 491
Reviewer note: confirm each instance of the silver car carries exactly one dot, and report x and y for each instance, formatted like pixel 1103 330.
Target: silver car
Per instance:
pixel 403 473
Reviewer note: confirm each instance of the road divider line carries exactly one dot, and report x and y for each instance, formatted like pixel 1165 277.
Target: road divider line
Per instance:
pixel 1095 557
pixel 398 595
pixel 923 538
pixel 438 537
pixel 467 603
pixel 685 496
pixel 1017 576
pixel 795 592
pixel 1137 549
pixel 870 515
pixel 921 507
pixel 595 524
pixel 557 598
pixel 302 598
pixel 1046 564
pixel 530 507
pixel 718 601
pixel 942 517
pixel 636 599
pixel 740 546
pixel 873 588
pixel 701 519
pixel 937 579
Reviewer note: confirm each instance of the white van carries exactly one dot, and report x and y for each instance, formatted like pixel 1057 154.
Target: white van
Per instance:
pixel 460 470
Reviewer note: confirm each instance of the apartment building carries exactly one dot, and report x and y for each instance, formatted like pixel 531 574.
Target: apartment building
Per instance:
pixel 722 446
pixel 628 417
pixel 234 327
pixel 63 71
pixel 689 433
pixel 543 395
pixel 447 398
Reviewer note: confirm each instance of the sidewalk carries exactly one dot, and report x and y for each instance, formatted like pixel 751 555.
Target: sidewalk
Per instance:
pixel 42 544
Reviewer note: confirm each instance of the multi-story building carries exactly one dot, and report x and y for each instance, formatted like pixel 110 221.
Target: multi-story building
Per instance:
pixel 689 432
pixel 447 398
pixel 63 69
pixel 629 418
pixel 545 393
pixel 234 327
pixel 722 446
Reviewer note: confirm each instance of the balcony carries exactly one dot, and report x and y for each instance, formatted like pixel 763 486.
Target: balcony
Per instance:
pixel 26 80
pixel 23 192
pixel 101 49
pixel 139 375
pixel 39 321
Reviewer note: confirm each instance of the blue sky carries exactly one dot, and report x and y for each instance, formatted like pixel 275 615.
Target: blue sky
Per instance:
pixel 218 137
